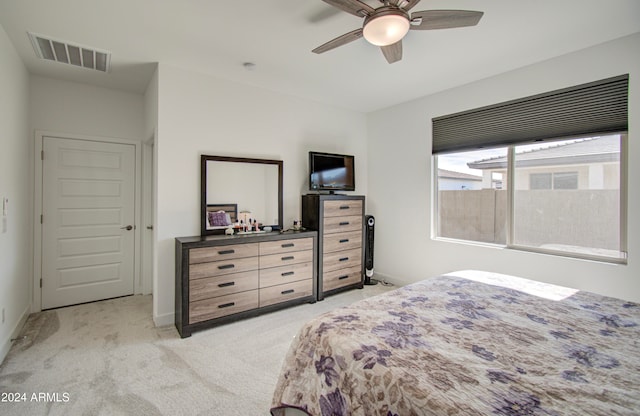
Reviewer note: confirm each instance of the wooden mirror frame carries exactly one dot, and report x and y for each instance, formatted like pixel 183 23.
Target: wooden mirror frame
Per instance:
pixel 203 186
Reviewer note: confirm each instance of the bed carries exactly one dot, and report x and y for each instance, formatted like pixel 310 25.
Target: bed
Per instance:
pixel 467 343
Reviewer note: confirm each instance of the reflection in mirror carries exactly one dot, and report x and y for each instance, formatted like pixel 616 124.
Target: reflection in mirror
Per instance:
pixel 239 189
pixel 253 187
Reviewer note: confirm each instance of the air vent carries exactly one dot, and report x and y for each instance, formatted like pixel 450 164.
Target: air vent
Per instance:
pixel 68 53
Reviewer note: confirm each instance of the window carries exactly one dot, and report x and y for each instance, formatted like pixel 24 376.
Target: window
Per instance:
pixel 565 180
pixel 477 214
pixel 540 181
pixel 551 168
pixel 553 180
pixel 584 220
pixel 565 197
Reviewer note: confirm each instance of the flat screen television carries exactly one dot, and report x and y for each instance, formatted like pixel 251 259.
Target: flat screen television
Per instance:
pixel 331 172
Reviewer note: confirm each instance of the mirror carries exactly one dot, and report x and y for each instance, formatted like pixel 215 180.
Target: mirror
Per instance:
pixel 237 189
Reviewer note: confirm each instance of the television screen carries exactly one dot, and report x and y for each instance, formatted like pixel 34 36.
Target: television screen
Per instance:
pixel 331 172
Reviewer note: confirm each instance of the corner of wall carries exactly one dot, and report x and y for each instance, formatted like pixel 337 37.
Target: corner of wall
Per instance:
pixel 166 319
pixel 15 332
pixel 15 184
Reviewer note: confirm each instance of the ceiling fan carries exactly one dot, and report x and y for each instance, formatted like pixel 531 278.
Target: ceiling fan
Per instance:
pixel 385 26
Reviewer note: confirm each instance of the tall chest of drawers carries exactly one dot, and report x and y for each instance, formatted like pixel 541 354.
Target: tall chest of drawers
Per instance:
pixel 339 220
pixel 220 279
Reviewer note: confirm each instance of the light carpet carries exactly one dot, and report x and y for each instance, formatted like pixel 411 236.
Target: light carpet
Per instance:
pixel 108 358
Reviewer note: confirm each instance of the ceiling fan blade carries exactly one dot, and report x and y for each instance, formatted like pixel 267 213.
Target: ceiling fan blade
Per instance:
pixel 407 4
pixel 444 19
pixel 339 41
pixel 355 7
pixel 393 52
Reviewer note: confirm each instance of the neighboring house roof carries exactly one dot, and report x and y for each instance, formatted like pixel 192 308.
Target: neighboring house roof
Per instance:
pixel 592 150
pixel 449 174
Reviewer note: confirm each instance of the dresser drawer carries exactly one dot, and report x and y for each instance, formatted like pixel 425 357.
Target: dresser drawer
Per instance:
pixel 217 253
pixel 342 224
pixel 222 305
pixel 219 268
pixel 211 287
pixel 341 208
pixel 282 293
pixel 286 274
pixel 342 277
pixel 285 246
pixel 284 259
pixel 342 241
pixel 342 259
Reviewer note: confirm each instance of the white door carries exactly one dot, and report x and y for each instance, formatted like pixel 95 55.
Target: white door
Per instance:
pixel 88 227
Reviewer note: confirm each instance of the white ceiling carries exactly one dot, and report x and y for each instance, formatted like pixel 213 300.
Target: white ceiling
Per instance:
pixel 217 37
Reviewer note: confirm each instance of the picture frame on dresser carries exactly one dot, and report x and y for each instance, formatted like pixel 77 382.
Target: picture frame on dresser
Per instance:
pixel 221 216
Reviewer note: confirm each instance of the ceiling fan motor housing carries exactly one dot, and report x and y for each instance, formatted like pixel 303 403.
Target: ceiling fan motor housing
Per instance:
pixel 386 26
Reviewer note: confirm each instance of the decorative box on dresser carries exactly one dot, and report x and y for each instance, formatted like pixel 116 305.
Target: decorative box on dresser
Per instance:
pixel 339 222
pixel 220 278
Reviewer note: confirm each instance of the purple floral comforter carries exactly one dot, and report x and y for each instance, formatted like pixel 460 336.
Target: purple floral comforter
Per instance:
pixel 455 346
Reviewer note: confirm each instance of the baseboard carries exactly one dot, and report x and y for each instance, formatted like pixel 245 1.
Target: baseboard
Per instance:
pixel 6 343
pixel 166 319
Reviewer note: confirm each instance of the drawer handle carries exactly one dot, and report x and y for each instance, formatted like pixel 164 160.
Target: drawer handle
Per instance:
pixel 344 223
pixel 344 259
pixel 227 284
pixel 287 258
pixel 286 292
pixel 344 240
pixel 287 274
pixel 226 266
pixel 287 245
pixel 226 251
pixel 226 305
pixel 344 207
pixel 343 277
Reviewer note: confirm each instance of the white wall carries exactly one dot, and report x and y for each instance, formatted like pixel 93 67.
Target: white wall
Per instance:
pixel 199 114
pixel 151 107
pixel 15 184
pixel 400 197
pixel 70 107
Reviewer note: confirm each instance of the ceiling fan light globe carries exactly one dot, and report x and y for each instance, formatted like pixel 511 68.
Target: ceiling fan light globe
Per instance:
pixel 385 30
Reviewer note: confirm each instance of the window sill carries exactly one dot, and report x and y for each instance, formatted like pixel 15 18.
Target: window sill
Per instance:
pixel 560 250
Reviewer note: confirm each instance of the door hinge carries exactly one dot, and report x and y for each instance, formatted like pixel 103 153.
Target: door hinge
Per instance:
pixel 42 155
pixel 41 219
pixel 40 283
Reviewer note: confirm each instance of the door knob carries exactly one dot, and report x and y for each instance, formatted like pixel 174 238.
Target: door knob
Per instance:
pixel 128 228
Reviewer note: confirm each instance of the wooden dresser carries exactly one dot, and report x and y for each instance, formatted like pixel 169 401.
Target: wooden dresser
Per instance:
pixel 222 278
pixel 339 220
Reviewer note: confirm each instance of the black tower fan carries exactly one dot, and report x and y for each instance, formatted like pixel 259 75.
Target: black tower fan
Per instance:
pixel 368 250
